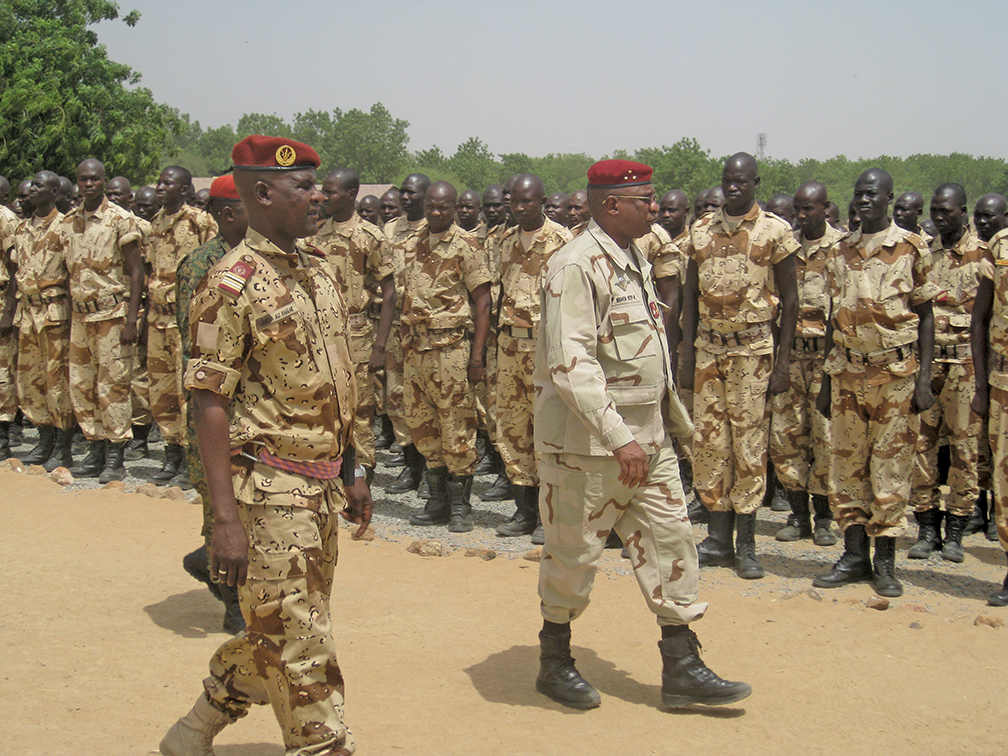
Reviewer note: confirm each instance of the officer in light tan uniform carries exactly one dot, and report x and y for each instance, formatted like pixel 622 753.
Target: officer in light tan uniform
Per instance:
pixel 605 397
pixel 272 376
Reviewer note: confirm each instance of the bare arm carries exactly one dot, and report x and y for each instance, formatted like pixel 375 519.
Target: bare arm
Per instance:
pixel 384 324
pixel 980 343
pixel 668 292
pixel 923 397
pixel 481 314
pixel 787 290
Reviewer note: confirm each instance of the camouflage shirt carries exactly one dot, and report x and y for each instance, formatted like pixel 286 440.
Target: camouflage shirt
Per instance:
pixel 397 232
pixel 269 332
pixel 171 238
pixel 8 225
pixel 359 257
pixel 521 273
pixel 810 269
pixel 41 271
pixel 602 363
pixel 191 272
pixel 92 244
pixel 995 267
pixel 955 271
pixel 438 279
pixel 735 272
pixel 659 250
pixel 872 297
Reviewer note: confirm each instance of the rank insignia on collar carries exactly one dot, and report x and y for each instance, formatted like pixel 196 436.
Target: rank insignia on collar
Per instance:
pixel 233 282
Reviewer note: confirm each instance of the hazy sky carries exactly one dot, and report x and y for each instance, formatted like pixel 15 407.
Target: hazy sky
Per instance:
pixel 819 78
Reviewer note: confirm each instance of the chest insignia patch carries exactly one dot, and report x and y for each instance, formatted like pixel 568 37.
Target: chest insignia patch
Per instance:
pixel 233 282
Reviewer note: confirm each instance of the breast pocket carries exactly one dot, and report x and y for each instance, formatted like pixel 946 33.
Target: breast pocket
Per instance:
pixel 633 333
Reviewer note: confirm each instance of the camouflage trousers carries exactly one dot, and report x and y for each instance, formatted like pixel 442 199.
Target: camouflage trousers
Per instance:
pixel 874 433
pixel 486 391
pixel 286 657
pixel 731 416
pixel 361 343
pixel 953 388
pixel 194 464
pixel 8 376
pixel 140 385
pixel 394 386
pixel 440 406
pixel 164 356
pixel 799 434
pixel 378 381
pixel 516 406
pixel 581 500
pixel 101 368
pixel 997 431
pixel 43 373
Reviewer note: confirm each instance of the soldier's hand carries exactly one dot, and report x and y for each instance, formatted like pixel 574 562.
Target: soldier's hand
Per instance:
pixel 687 369
pixel 229 553
pixel 128 334
pixel 475 371
pixel 359 506
pixel 981 403
pixel 923 397
pixel 377 363
pixel 633 464
pixel 822 401
pixel 779 381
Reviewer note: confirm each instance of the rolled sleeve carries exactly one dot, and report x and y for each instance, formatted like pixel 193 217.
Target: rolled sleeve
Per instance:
pixel 220 335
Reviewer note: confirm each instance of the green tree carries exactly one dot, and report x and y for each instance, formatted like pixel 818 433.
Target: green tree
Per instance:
pixel 475 165
pixel 63 100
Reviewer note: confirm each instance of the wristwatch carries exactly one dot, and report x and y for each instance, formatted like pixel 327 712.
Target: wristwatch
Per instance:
pixel 360 472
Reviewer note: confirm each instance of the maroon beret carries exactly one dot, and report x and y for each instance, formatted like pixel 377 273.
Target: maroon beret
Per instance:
pixel 223 188
pixel 265 153
pixel 607 174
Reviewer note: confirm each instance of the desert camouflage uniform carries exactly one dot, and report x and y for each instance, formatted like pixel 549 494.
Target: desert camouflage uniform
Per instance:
pixel 284 363
pixel 603 379
pixel 486 392
pixel 436 326
pixel 734 354
pixel 579 229
pixel 43 322
pixel 952 381
pixel 8 342
pixel 191 271
pixel 521 295
pixel 171 238
pixel 995 267
pixel 360 259
pixel 873 294
pixel 799 434
pixel 140 384
pixel 101 366
pixel 397 231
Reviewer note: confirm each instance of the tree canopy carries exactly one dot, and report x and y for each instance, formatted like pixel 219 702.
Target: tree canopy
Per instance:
pixel 63 100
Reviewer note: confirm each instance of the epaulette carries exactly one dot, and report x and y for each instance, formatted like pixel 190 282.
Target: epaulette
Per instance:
pixel 314 251
pixel 233 282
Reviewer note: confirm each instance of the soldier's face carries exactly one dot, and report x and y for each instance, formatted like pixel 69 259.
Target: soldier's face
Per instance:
pixel 527 208
pixel 738 183
pixel 809 214
pixel 871 200
pixel 116 192
pixel 948 216
pixel 439 210
pixel 577 208
pixel 200 199
pixel 906 213
pixel 296 202
pixel 390 208
pixel 556 209
pixel 169 189
pixel 41 192
pixel 468 212
pixel 90 182
pixel 989 219
pixel 368 210
pixel 672 214
pixel 337 198
pixel 145 204
pixel 638 208
pixel 411 195
pixel 494 209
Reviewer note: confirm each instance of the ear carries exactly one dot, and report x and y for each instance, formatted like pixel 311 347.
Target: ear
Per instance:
pixel 756 182
pixel 261 191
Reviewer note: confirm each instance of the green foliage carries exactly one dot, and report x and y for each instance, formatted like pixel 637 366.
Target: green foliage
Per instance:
pixel 62 100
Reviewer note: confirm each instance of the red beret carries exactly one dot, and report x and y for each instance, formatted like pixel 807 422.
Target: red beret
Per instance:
pixel 264 153
pixel 223 188
pixel 606 174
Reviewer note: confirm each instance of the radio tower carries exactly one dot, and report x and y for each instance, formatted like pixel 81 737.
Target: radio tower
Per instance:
pixel 760 145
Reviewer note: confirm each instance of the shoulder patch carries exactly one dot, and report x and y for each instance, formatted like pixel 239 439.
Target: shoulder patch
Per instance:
pixel 314 251
pixel 234 280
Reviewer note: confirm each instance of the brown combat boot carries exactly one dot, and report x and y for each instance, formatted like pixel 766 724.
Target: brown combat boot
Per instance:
pixel 193 734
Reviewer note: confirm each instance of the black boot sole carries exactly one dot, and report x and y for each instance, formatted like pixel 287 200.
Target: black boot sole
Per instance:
pixel 677 701
pixel 580 705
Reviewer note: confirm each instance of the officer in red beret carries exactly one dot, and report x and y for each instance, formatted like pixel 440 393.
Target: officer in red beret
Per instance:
pixel 605 409
pixel 272 378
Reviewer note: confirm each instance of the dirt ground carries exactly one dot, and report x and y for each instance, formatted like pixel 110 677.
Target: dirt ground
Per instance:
pixel 105 641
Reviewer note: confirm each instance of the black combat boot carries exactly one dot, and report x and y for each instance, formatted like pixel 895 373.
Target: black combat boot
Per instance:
pixel 747 566
pixel 43 449
pixel 854 565
pixel 437 510
pixel 423 490
pixel 61 456
pixel 137 448
pixel 385 437
pixel 501 490
pixel 698 514
pixel 884 574
pixel 978 518
pixel 1000 598
pixel 5 452
pixel 234 622
pixel 17 430
pixel 197 564
pixel 716 549
pixel 115 469
pixel 409 478
pixel 396 456
pixel 822 533
pixel 952 551
pixel 799 522
pixel 928 534
pixel 526 513
pixel 181 478
pixel 488 457
pixel 94 461
pixel 992 531
pixel 459 492
pixel 174 457
pixel 686 679
pixel 686 477
pixel 558 677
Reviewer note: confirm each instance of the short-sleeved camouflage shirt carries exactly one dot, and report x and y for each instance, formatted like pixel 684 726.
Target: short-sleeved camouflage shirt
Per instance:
pixel 8 225
pixel 360 258
pixel 995 267
pixel 956 272
pixel 810 270
pixel 41 271
pixel 269 331
pixel 397 232
pixel 661 252
pixel 522 270
pixel 873 295
pixel 171 238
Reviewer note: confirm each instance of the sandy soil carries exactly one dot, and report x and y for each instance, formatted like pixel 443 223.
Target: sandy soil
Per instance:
pixel 106 640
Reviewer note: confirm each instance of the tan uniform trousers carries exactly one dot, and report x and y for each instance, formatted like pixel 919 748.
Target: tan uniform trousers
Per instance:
pixel 8 376
pixel 998 434
pixel 101 369
pixel 43 374
pixel 515 395
pixel 874 433
pixel 486 391
pixel 441 407
pixel 581 499
pixel 394 385
pixel 953 387
pixel 799 434
pixel 732 419
pixel 164 356
pixel 140 385
pixel 286 657
pixel 361 344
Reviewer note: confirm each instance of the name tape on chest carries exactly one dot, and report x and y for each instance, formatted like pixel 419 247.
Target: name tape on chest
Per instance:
pixel 233 282
pixel 625 299
pixel 272 317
